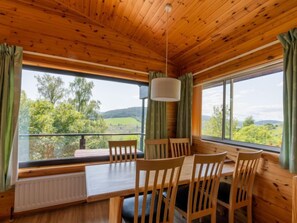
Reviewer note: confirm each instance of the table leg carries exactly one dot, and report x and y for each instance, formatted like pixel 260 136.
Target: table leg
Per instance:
pixel 115 209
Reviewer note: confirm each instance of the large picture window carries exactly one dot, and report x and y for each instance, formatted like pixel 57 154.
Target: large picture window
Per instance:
pixel 70 117
pixel 245 111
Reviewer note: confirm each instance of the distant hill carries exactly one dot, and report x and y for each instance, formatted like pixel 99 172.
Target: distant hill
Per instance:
pixel 205 117
pixel 264 122
pixel 134 112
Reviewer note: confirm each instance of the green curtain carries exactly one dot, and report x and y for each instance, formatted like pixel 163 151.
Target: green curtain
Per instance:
pixel 156 123
pixel 288 152
pixel 184 107
pixel 10 85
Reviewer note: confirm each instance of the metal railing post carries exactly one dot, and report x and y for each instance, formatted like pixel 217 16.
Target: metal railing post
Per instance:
pixel 82 142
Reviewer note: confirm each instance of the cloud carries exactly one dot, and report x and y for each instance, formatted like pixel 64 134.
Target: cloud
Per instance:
pixel 261 112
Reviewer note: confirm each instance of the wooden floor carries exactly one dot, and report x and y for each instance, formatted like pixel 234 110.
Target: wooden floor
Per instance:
pixel 96 212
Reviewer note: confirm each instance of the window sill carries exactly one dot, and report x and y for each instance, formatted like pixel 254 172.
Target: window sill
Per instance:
pixel 55 169
pixel 242 144
pixel 61 166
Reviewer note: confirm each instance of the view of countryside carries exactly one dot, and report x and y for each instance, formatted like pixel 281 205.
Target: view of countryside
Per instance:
pixel 254 112
pixel 264 132
pixel 57 111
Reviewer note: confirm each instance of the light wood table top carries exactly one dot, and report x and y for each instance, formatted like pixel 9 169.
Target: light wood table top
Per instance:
pixel 113 180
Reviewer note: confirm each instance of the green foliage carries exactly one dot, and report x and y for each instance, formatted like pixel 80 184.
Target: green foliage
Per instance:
pixel 50 88
pixel 78 115
pixel 213 127
pixel 24 118
pixel 267 134
pixel 258 134
pixel 82 91
pixel 41 117
pixel 248 121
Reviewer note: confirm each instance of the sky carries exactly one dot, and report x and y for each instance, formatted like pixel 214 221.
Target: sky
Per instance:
pixel 260 97
pixel 112 95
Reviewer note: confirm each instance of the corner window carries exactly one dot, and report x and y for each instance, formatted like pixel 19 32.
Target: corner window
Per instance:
pixel 69 117
pixel 246 111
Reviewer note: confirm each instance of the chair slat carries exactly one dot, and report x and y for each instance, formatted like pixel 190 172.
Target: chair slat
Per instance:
pixel 122 151
pixel 203 186
pixel 180 147
pixel 242 183
pixel 152 177
pixel 156 149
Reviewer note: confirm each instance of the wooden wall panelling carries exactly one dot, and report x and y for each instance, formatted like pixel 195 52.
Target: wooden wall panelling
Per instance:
pixel 235 45
pixel 294 197
pixel 232 23
pixel 55 8
pixel 35 42
pixel 6 203
pixel 197 110
pixel 273 185
pixel 201 33
pixel 261 57
pixel 171 108
pixel 214 26
pixel 74 40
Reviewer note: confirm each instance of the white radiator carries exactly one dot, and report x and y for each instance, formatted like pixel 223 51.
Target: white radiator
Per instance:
pixel 40 192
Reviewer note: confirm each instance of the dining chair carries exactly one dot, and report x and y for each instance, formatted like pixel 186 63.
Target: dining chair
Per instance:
pixel 156 149
pixel 199 199
pixel 122 151
pixel 153 177
pixel 238 194
pixel 180 147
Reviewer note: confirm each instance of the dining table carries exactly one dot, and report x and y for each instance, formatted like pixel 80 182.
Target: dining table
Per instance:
pixel 117 180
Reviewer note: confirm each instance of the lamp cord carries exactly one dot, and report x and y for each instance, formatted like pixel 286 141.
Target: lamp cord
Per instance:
pixel 166 41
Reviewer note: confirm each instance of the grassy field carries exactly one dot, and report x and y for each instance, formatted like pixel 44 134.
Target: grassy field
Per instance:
pixel 123 125
pixel 122 121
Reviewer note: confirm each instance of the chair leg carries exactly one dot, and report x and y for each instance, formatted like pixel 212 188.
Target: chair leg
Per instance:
pixel 249 213
pixel 213 217
pixel 189 220
pixel 231 216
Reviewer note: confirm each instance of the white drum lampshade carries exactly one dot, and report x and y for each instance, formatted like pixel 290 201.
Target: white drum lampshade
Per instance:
pixel 165 89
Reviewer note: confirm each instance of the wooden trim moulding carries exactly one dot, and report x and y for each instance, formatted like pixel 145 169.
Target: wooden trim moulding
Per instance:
pixel 53 170
pixel 238 57
pixel 70 64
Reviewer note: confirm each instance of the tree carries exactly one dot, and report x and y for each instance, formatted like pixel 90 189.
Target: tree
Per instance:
pixel 213 127
pixel 41 117
pixel 82 90
pixel 24 118
pixel 50 88
pixel 255 134
pixel 248 121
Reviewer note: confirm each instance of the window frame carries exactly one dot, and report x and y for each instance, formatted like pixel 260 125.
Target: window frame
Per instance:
pixel 78 160
pixel 232 79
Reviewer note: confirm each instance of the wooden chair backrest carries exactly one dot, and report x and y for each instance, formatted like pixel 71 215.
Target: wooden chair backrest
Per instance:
pixel 244 176
pixel 204 184
pixel 122 151
pixel 156 149
pixel 155 177
pixel 180 147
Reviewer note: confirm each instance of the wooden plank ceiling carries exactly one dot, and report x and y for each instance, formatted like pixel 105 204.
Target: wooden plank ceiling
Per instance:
pixel 201 33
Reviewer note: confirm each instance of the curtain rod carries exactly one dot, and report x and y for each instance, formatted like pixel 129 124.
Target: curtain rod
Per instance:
pixel 84 62
pixel 237 57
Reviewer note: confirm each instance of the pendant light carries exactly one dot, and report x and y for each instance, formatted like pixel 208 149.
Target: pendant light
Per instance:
pixel 166 88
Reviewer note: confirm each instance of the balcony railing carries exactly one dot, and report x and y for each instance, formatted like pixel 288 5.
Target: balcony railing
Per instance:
pixel 41 147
